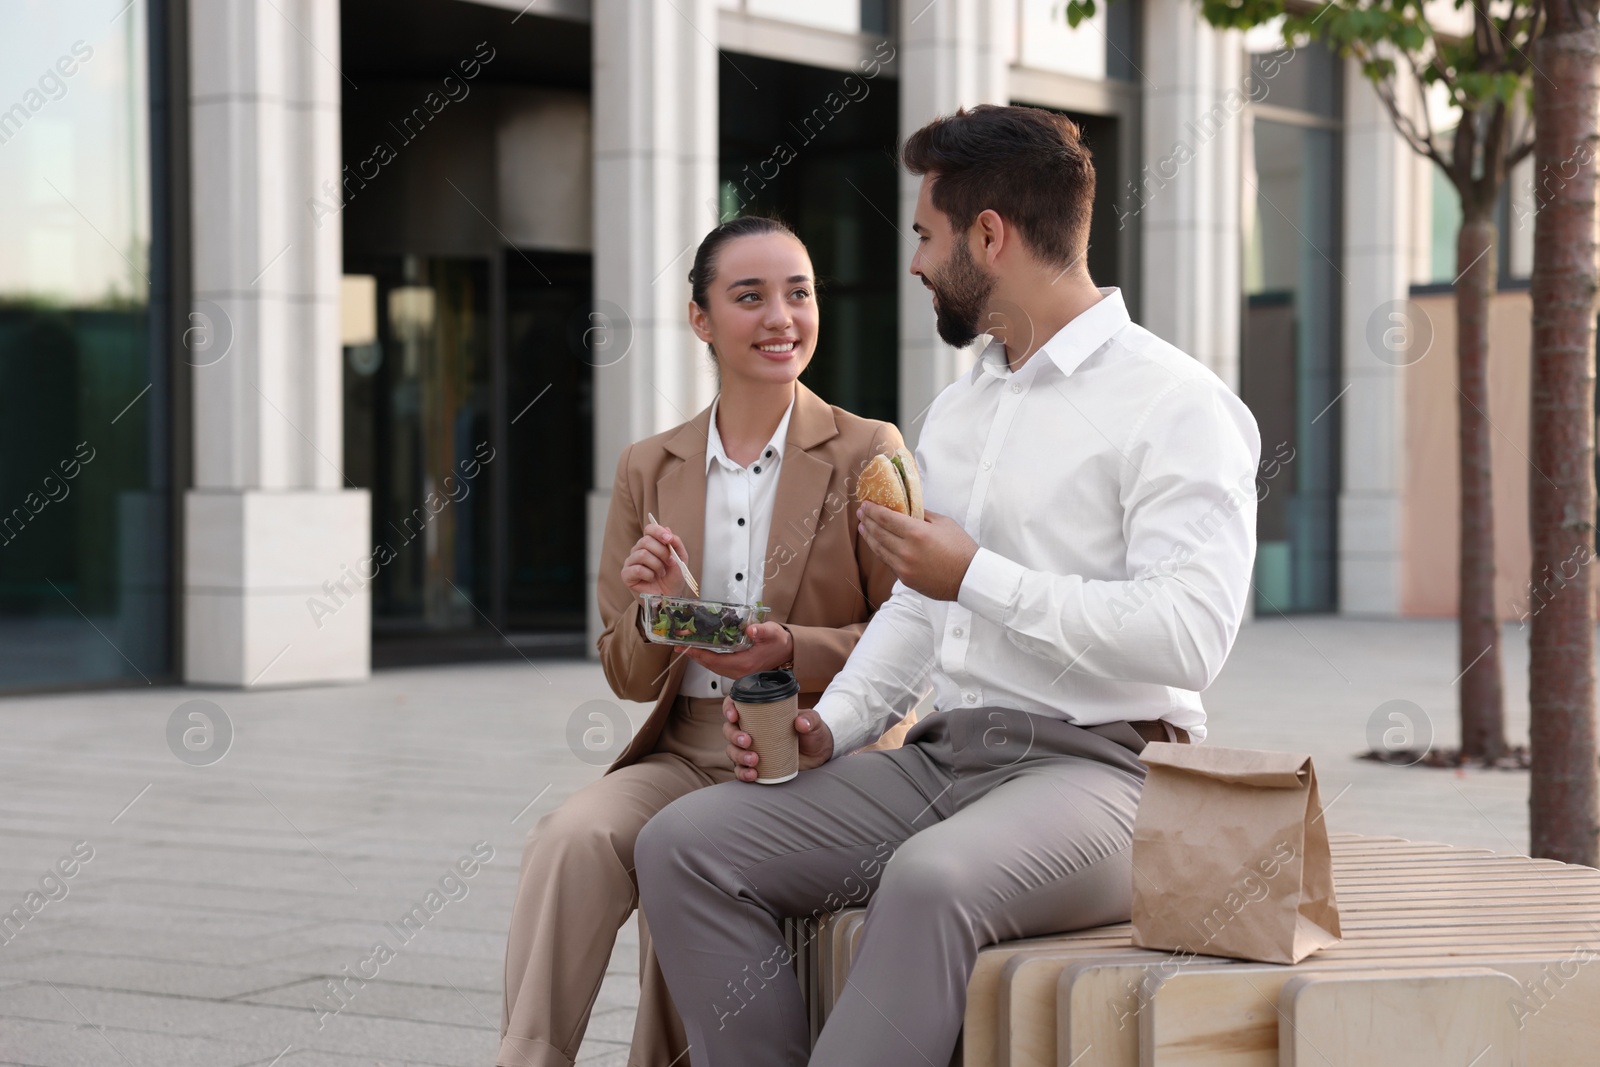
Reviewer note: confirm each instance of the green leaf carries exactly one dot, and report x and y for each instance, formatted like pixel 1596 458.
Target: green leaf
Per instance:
pixel 1240 14
pixel 1078 10
pixel 1378 70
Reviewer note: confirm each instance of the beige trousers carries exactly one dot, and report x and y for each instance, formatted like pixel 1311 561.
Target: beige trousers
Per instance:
pixel 577 888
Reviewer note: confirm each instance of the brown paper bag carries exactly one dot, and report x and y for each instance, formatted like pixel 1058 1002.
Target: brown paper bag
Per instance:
pixel 1230 855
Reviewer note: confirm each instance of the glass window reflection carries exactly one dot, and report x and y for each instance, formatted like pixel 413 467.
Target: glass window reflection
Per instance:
pixel 84 487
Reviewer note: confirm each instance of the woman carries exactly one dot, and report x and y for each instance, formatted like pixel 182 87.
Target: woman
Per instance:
pixel 754 494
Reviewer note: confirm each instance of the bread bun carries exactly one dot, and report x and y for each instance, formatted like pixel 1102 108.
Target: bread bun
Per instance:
pixel 881 484
pixel 893 482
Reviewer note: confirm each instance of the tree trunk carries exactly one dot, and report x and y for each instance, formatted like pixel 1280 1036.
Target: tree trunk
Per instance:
pixel 1482 691
pixel 1561 669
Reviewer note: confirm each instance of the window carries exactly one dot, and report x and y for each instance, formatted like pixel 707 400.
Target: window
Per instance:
pixel 85 486
pixel 1289 366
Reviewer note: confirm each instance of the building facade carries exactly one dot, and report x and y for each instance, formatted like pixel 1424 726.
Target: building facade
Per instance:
pixel 323 324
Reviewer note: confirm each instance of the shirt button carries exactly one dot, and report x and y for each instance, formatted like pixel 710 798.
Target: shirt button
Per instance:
pixel 769 453
pixel 758 468
pixel 987 464
pixel 958 631
pixel 741 522
pixel 1016 388
pixel 713 685
pixel 970 698
pixel 739 577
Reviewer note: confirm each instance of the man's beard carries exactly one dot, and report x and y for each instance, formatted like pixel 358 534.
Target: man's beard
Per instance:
pixel 963 289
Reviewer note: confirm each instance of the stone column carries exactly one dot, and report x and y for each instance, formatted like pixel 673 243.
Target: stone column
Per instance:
pixel 952 53
pixel 656 196
pixel 272 527
pixel 1187 193
pixel 1382 333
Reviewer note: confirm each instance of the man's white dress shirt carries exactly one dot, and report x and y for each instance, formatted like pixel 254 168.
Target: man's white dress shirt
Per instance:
pixel 1110 484
pixel 738 520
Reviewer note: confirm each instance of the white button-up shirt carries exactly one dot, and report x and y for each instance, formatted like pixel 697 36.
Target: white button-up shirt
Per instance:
pixel 1111 486
pixel 738 520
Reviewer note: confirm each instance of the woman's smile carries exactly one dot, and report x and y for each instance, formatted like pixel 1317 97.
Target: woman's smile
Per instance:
pixel 778 350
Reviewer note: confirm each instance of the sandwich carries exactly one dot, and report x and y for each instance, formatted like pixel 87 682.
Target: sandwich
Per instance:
pixel 893 482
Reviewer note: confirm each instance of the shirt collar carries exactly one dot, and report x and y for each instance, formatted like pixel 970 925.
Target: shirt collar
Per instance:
pixel 1072 344
pixel 715 453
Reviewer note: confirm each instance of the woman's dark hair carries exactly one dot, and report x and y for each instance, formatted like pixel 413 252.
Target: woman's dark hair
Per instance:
pixel 705 257
pixel 1029 165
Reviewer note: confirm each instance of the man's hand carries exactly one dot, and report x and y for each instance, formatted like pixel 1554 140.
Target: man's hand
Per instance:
pixel 774 646
pixel 930 556
pixel 816 741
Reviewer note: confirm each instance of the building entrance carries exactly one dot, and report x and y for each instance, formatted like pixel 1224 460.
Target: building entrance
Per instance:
pixel 468 281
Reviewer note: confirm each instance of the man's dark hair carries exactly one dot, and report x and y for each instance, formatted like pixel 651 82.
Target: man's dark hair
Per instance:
pixel 1029 165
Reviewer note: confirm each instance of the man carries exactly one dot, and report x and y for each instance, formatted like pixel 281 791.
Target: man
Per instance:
pixel 1081 575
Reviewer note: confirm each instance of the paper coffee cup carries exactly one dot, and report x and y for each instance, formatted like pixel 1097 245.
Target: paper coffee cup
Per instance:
pixel 768 702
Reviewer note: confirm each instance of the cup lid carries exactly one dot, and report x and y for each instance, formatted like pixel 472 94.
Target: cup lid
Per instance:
pixel 765 687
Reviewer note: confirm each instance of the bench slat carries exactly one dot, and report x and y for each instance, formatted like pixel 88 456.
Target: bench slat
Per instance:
pixel 1378 1019
pixel 1229 1017
pixel 1030 1008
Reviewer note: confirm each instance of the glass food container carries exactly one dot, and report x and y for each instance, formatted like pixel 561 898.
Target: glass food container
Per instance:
pixel 691 623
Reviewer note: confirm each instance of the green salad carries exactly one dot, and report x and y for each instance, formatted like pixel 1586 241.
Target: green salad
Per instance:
pixel 697 622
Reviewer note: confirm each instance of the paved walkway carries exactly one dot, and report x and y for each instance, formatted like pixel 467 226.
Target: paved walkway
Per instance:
pixel 220 901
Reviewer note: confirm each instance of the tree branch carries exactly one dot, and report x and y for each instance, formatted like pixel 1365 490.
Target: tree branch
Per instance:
pixel 1494 161
pixel 1424 144
pixel 1422 95
pixel 1462 149
pixel 1485 35
pixel 1518 154
pixel 1514 30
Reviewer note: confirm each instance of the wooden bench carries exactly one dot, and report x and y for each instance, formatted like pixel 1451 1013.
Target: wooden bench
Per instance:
pixel 1461 953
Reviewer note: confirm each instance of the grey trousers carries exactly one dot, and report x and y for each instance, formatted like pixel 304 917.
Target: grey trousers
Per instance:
pixel 988 825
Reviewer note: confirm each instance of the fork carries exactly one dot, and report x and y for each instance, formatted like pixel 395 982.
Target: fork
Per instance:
pixel 694 586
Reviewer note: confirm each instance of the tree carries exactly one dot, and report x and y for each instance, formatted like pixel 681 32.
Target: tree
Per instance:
pixel 1561 669
pixel 1485 75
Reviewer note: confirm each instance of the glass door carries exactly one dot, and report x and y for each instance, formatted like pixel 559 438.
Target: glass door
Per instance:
pixel 468 414
pixel 550 359
pixel 418 435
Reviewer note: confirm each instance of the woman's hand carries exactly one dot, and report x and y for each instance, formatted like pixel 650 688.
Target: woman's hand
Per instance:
pixel 816 741
pixel 774 646
pixel 649 567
